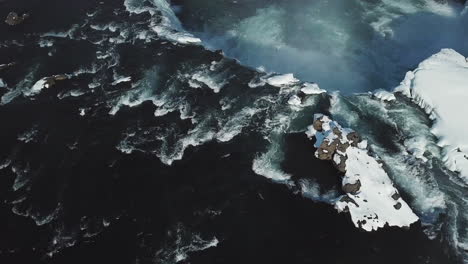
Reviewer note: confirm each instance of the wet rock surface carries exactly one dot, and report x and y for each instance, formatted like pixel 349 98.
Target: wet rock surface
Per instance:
pixel 352 188
pixel 334 148
pixel 14 19
pixel 6 66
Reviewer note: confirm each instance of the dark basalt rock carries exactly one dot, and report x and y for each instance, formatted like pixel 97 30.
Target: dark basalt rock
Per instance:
pixel 342 165
pixel 318 125
pixel 397 206
pixel 326 150
pixel 354 138
pixel 348 199
pixel 352 188
pixel 396 196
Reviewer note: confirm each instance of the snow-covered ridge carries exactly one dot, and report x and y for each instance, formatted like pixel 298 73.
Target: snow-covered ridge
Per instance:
pixel 439 85
pixel 371 198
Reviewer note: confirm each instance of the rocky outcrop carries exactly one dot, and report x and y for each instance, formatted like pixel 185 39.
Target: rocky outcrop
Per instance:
pixel 14 19
pixel 369 195
pixel 352 187
pixel 334 146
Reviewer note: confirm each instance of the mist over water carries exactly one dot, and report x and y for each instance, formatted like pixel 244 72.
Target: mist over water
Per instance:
pixel 350 46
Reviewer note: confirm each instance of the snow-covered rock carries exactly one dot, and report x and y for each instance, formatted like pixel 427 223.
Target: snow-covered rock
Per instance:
pixel 370 198
pixel 45 82
pixel 440 86
pixel 312 88
pixel 282 80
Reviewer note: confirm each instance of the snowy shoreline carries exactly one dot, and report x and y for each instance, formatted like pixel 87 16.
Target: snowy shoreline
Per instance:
pixel 439 85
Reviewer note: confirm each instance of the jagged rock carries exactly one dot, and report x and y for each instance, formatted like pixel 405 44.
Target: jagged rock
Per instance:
pixel 397 206
pixel 348 199
pixel 361 223
pixel 333 147
pixel 14 19
pixel 337 132
pixel 354 138
pixel 340 162
pixel 326 150
pixel 396 196
pixel 342 147
pixel 352 188
pixel 318 125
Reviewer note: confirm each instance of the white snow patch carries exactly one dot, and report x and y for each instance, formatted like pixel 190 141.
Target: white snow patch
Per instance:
pixel 282 80
pixel 312 88
pixel 440 86
pixel 37 87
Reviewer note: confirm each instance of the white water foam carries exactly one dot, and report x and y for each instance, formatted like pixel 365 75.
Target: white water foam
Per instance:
pixel 343 45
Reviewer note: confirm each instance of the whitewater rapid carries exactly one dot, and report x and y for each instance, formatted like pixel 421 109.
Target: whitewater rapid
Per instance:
pixel 349 46
pixel 197 98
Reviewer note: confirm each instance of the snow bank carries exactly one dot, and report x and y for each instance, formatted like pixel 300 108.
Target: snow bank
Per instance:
pixel 440 86
pixel 371 198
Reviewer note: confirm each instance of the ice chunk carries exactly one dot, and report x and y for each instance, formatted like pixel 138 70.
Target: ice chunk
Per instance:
pixel 312 88
pixel 282 80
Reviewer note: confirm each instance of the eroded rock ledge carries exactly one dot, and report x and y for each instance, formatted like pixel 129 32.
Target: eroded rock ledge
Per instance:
pixel 371 198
